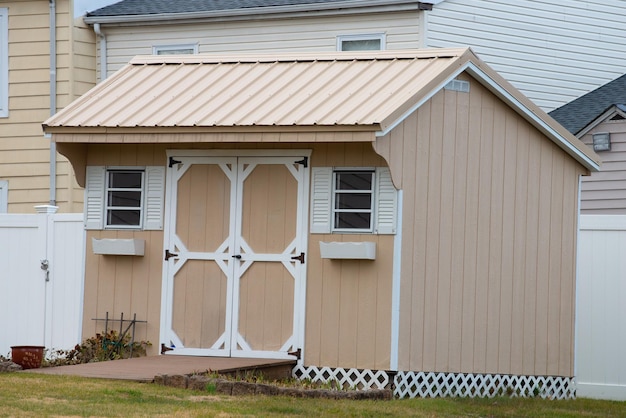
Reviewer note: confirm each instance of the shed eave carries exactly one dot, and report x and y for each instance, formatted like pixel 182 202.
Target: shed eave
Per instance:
pixel 268 12
pixel 275 129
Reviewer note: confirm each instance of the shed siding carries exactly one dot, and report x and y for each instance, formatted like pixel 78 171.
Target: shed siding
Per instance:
pixel 348 306
pixel 24 151
pixel 553 51
pixel 261 36
pixel 604 192
pixel 488 240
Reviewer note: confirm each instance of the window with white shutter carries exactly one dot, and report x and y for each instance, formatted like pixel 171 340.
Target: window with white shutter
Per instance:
pixel 348 200
pixel 124 198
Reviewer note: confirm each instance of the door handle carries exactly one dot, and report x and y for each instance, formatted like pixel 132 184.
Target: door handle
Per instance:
pixel 237 256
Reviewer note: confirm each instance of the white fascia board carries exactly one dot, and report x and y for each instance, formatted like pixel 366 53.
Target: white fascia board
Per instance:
pixel 503 94
pixel 609 113
pixel 542 125
pixel 268 12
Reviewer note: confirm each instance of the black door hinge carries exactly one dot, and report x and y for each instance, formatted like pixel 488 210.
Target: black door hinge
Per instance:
pixel 304 161
pixel 169 255
pixel 300 258
pixel 173 161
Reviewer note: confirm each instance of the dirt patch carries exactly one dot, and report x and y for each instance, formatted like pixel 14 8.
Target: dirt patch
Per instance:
pixel 223 386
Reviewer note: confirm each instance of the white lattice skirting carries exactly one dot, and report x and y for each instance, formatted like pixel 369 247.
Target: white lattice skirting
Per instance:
pixel 345 378
pixel 431 384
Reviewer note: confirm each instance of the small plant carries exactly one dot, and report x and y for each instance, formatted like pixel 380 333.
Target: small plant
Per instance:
pixel 102 347
pixel 211 387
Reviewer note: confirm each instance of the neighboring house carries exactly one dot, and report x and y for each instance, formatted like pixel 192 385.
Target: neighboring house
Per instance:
pixel 599 119
pixel 41 70
pixel 553 51
pixel 403 211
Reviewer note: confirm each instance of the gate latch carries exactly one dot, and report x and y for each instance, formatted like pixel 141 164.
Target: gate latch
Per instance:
pixel 45 264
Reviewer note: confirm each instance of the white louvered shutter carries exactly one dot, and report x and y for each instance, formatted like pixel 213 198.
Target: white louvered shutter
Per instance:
pixel 94 197
pixel 155 191
pixel 386 202
pixel 321 184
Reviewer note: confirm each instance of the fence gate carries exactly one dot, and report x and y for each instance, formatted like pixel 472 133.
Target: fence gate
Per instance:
pixel 601 307
pixel 41 280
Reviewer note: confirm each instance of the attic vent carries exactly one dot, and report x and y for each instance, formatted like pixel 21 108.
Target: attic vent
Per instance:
pixel 618 117
pixel 458 85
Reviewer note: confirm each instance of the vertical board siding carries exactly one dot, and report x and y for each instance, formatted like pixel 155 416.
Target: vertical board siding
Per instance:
pixel 600 328
pixel 553 51
pixel 340 293
pixel 488 242
pixel 261 36
pixel 124 284
pixel 604 192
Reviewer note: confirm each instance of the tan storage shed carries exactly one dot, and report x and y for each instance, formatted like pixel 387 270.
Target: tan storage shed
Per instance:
pixel 402 215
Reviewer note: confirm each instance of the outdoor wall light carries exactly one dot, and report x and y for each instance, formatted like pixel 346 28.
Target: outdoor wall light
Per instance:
pixel 602 141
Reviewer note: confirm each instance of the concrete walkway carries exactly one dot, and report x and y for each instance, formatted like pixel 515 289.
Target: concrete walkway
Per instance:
pixel 144 369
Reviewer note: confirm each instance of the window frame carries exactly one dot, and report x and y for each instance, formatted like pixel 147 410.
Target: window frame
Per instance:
pixel 381 37
pixel 334 191
pixel 4 62
pixel 142 198
pixel 160 48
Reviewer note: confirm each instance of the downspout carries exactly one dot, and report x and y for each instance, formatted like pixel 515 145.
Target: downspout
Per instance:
pixel 422 18
pixel 53 99
pixel 103 50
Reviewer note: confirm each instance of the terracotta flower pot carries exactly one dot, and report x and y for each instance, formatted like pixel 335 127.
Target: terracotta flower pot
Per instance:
pixel 27 356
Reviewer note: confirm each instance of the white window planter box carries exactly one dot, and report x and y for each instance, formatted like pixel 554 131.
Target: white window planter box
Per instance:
pixel 118 246
pixel 348 250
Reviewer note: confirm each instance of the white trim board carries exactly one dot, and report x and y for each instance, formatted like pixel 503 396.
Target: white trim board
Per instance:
pixel 4 196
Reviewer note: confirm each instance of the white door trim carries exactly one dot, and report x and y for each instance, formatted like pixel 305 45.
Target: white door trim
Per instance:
pixel 226 157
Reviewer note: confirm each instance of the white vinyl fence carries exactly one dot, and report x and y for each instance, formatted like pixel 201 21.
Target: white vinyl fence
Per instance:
pixel 41 280
pixel 601 307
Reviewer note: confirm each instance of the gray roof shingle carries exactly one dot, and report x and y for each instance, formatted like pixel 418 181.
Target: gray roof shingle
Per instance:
pixel 579 113
pixel 148 7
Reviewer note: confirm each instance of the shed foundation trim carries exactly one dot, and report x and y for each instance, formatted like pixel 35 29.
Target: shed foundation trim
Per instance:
pixel 434 384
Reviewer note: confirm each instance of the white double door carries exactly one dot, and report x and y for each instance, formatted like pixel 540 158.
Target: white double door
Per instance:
pixel 234 274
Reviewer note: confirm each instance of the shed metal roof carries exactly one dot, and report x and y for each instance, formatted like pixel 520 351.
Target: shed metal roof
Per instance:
pixel 307 90
pixel 363 91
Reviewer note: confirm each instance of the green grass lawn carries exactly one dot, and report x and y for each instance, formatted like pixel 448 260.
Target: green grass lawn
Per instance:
pixel 32 395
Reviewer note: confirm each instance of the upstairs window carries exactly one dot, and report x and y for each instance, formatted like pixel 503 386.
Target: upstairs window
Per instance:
pixel 371 42
pixel 180 49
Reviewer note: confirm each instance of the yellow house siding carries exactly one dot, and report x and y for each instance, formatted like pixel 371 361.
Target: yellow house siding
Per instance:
pixel 488 240
pixel 25 152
